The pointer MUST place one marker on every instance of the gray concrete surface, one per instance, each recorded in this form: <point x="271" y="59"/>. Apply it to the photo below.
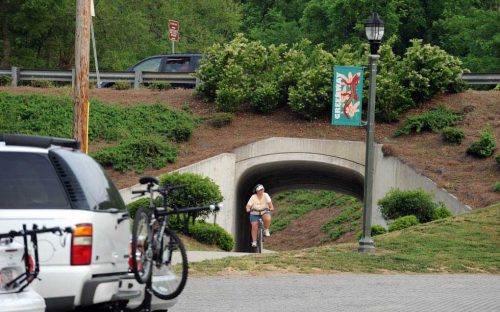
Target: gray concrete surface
<point x="343" y="292"/>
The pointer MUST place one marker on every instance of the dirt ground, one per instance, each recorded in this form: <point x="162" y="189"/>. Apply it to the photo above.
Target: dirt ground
<point x="469" y="179"/>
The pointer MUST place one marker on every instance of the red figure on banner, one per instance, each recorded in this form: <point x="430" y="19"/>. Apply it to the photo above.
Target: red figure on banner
<point x="352" y="83"/>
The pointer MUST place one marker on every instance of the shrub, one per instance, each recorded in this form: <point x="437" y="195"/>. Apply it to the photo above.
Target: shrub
<point x="212" y="234"/>
<point x="220" y="120"/>
<point x="453" y="135"/>
<point x="159" y="86"/>
<point x="485" y="146"/>
<point x="198" y="191"/>
<point x="41" y="83"/>
<point x="428" y="70"/>
<point x="135" y="205"/>
<point x="397" y="203"/>
<point x="403" y="223"/>
<point x="498" y="159"/>
<point x="122" y="85"/>
<point x="433" y="120"/>
<point x="376" y="230"/>
<point x="441" y="212"/>
<point x="137" y="154"/>
<point x="496" y="187"/>
<point x="5" y="80"/>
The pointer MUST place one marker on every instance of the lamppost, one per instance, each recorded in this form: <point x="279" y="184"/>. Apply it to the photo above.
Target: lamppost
<point x="374" y="29"/>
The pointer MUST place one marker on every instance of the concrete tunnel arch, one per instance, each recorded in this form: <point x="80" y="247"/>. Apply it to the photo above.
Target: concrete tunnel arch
<point x="288" y="175"/>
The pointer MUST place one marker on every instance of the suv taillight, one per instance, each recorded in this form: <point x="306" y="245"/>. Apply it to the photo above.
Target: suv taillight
<point x="81" y="245"/>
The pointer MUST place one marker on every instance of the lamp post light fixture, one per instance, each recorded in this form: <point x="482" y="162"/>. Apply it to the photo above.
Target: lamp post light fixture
<point x="374" y="29"/>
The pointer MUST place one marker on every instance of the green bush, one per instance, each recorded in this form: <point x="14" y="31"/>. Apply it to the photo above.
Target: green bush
<point x="441" y="212"/>
<point x="41" y="83"/>
<point x="433" y="120"/>
<point x="198" y="191"/>
<point x="122" y="85"/>
<point x="485" y="146"/>
<point x="403" y="223"/>
<point x="220" y="120"/>
<point x="5" y="80"/>
<point x="135" y="205"/>
<point x="159" y="86"/>
<point x="496" y="187"/>
<point x="453" y="135"/>
<point x="378" y="230"/>
<point x="397" y="203"/>
<point x="137" y="154"/>
<point x="428" y="70"/>
<point x="212" y="234"/>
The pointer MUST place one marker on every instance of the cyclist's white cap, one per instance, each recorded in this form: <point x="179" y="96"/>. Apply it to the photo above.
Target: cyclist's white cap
<point x="259" y="187"/>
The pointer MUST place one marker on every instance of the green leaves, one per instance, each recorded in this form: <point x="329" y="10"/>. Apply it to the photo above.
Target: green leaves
<point x="433" y="120"/>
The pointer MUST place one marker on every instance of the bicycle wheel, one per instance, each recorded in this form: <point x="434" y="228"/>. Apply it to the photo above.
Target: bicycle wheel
<point x="170" y="270"/>
<point x="259" y="239"/>
<point x="142" y="247"/>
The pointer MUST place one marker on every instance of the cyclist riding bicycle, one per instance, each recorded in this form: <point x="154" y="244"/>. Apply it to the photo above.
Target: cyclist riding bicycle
<point x="259" y="205"/>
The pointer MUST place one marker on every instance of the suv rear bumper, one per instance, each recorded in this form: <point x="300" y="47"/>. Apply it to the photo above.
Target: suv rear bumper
<point x="75" y="286"/>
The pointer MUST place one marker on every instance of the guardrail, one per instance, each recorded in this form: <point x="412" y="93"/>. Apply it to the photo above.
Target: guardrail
<point x="481" y="78"/>
<point x="139" y="77"/>
<point x="135" y="78"/>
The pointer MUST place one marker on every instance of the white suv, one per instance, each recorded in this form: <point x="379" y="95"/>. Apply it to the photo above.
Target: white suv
<point x="49" y="182"/>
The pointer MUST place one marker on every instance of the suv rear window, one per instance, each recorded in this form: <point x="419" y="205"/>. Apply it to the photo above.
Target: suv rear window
<point x="29" y="181"/>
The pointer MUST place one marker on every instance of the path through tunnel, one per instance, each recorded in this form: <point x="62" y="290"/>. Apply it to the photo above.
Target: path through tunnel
<point x="289" y="175"/>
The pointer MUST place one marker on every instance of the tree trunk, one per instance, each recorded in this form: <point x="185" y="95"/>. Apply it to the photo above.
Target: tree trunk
<point x="7" y="51"/>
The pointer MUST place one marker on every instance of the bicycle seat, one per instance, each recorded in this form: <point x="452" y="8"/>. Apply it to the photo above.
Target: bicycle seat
<point x="148" y="179"/>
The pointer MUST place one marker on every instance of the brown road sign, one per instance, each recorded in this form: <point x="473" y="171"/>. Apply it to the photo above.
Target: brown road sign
<point x="173" y="35"/>
<point x="173" y="25"/>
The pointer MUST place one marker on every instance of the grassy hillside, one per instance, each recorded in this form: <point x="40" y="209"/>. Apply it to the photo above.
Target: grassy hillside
<point x="464" y="244"/>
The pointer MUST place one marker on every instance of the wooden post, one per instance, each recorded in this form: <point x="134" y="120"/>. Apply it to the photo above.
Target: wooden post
<point x="81" y="87"/>
<point x="137" y="79"/>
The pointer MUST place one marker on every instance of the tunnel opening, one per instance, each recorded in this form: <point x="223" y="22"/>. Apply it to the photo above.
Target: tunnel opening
<point x="289" y="175"/>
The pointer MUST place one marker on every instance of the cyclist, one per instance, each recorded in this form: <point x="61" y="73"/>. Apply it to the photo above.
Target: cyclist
<point x="259" y="202"/>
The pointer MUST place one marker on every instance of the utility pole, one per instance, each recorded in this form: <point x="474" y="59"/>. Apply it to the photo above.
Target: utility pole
<point x="81" y="83"/>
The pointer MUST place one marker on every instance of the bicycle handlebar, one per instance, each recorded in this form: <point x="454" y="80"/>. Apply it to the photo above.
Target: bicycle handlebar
<point x="162" y="190"/>
<point x="214" y="207"/>
<point x="35" y="230"/>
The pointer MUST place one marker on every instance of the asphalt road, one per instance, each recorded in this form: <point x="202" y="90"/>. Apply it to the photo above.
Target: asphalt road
<point x="342" y="292"/>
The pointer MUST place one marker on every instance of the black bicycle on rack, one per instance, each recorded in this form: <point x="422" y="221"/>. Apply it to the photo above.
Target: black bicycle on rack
<point x="159" y="258"/>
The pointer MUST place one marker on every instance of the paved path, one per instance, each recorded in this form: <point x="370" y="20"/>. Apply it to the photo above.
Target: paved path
<point x="342" y="292"/>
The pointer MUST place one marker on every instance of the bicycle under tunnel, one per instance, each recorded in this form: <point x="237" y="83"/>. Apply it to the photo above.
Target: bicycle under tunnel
<point x="285" y="176"/>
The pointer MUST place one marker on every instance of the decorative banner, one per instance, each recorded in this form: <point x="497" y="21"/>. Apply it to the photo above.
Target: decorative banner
<point x="347" y="94"/>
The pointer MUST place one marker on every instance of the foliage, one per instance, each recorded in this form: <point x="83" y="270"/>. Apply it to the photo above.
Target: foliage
<point x="336" y="227"/>
<point x="429" y="70"/>
<point x="138" y="154"/>
<point x="212" y="234"/>
<point x="377" y="229"/>
<point x="5" y="80"/>
<point x="159" y="86"/>
<point x="403" y="223"/>
<point x="453" y="135"/>
<point x="441" y="212"/>
<point x="392" y="97"/>
<point x="433" y="120"/>
<point x="295" y="204"/>
<point x="52" y="116"/>
<point x="486" y="145"/>
<point x="41" y="83"/>
<point x="221" y="119"/>
<point x="198" y="191"/>
<point x="496" y="187"/>
<point x="397" y="203"/>
<point x="139" y="203"/>
<point x="498" y="159"/>
<point x="122" y="85"/>
<point x="36" y="32"/>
